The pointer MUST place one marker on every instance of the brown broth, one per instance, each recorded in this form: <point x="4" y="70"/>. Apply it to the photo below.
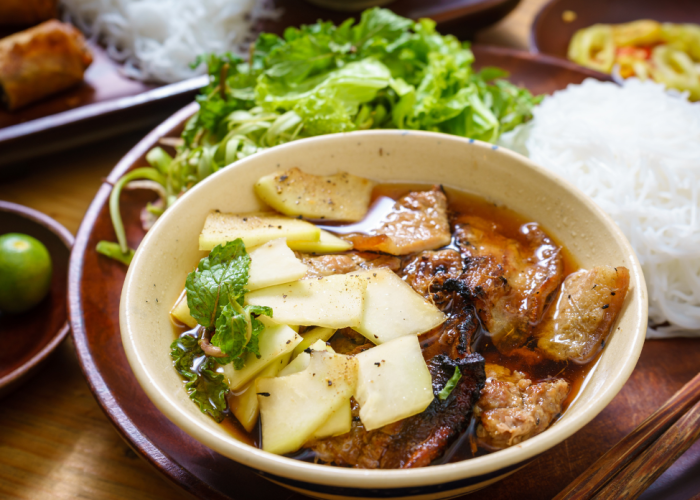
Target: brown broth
<point x="509" y="224"/>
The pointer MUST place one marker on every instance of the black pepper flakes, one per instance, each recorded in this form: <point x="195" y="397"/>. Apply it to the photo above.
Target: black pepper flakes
<point x="378" y="363"/>
<point x="606" y="306"/>
<point x="612" y="293"/>
<point x="330" y="383"/>
<point x="264" y="394"/>
<point x="307" y="350"/>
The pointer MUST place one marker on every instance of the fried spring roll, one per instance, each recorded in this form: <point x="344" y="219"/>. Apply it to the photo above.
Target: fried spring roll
<point x="26" y="12"/>
<point x="41" y="61"/>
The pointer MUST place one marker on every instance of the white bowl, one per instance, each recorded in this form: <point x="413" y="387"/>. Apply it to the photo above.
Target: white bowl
<point x="170" y="250"/>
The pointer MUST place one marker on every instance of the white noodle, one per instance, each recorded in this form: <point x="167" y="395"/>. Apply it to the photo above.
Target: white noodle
<point x="635" y="149"/>
<point x="159" y="39"/>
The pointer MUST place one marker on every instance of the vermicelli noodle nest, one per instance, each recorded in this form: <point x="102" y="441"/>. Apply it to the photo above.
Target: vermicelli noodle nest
<point x="159" y="39"/>
<point x="635" y="149"/>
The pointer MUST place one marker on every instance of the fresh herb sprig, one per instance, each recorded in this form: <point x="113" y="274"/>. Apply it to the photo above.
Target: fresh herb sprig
<point x="450" y="385"/>
<point x="215" y="294"/>
<point x="204" y="385"/>
<point x="384" y="72"/>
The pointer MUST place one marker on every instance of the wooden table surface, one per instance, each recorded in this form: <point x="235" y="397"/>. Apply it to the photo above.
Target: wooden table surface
<point x="55" y="442"/>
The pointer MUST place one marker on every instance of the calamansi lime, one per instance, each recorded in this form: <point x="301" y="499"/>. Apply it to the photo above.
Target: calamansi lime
<point x="25" y="272"/>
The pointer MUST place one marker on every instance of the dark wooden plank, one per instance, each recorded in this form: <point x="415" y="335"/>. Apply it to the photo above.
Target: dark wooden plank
<point x="658" y="457"/>
<point x="633" y="445"/>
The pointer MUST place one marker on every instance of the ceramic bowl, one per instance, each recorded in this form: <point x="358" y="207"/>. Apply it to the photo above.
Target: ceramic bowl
<point x="29" y="338"/>
<point x="170" y="250"/>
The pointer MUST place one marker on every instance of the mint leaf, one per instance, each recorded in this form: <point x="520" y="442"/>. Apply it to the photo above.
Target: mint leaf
<point x="215" y="292"/>
<point x="219" y="278"/>
<point x="204" y="385"/>
<point x="450" y="385"/>
<point x="238" y="332"/>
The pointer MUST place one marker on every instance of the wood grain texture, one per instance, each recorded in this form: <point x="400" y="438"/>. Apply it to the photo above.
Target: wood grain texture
<point x="647" y="467"/>
<point x="55" y="442"/>
<point x="632" y="445"/>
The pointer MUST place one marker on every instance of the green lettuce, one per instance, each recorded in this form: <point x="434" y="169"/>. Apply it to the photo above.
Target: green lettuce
<point x="383" y="72"/>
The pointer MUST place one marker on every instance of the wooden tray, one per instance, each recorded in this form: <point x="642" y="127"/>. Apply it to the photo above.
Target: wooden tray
<point x="108" y="103"/>
<point x="550" y="34"/>
<point x="94" y="290"/>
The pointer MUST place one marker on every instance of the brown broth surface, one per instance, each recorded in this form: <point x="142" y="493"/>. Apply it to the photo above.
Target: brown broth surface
<point x="509" y="223"/>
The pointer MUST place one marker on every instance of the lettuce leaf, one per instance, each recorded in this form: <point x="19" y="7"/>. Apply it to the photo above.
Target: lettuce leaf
<point x="383" y="72"/>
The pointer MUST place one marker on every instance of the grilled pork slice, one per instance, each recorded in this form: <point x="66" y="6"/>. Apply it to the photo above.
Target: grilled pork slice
<point x="417" y="222"/>
<point x="418" y="440"/>
<point x="511" y="409"/>
<point x="511" y="282"/>
<point x="327" y="265"/>
<point x="584" y="314"/>
<point x="429" y="273"/>
<point x="423" y="269"/>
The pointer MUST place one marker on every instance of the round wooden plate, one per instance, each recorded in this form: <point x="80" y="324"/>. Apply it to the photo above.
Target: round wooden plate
<point x="94" y="290"/>
<point x="550" y="34"/>
<point x="29" y="338"/>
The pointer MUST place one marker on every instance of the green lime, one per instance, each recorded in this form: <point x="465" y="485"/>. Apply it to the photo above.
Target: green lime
<point x="25" y="272"/>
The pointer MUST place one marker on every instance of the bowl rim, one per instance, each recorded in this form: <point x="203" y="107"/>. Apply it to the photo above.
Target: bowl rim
<point x="66" y="237"/>
<point x="382" y="479"/>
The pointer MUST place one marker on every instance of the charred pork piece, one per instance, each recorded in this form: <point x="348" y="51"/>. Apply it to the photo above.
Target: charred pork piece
<point x="327" y="265"/>
<point x="427" y="273"/>
<point x="584" y="314"/>
<point x="421" y="270"/>
<point x="417" y="440"/>
<point x="511" y="282"/>
<point x="511" y="409"/>
<point x="417" y="222"/>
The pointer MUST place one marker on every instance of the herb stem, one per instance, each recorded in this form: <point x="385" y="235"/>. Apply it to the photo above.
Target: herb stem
<point x="138" y="173"/>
